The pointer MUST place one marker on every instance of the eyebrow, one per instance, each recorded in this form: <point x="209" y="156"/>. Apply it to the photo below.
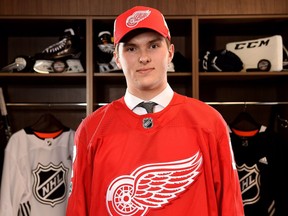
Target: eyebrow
<point x="125" y="44"/>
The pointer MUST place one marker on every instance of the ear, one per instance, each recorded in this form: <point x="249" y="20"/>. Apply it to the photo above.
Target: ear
<point x="116" y="57"/>
<point x="171" y="50"/>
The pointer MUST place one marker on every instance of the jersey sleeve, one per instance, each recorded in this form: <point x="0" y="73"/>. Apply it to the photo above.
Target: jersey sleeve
<point x="81" y="176"/>
<point x="228" y="188"/>
<point x="13" y="182"/>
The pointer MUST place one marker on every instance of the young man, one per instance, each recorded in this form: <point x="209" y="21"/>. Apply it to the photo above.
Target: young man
<point x="174" y="161"/>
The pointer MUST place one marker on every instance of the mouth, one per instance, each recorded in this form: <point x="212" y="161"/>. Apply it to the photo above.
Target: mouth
<point x="145" y="70"/>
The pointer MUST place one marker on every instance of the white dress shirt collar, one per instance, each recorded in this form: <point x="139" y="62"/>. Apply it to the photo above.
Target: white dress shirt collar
<point x="162" y="99"/>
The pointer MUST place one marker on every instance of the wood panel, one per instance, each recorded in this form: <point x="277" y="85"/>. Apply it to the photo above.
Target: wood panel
<point x="168" y="7"/>
<point x="241" y="7"/>
<point x="44" y="7"/>
<point x="172" y="7"/>
<point x="90" y="7"/>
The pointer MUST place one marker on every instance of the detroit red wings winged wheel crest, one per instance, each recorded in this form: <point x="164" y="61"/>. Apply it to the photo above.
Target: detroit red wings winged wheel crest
<point x="151" y="186"/>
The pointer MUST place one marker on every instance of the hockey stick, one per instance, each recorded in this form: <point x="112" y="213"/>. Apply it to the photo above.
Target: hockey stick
<point x="4" y="114"/>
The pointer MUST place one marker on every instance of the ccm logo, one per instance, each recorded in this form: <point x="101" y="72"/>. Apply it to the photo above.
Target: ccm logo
<point x="251" y="44"/>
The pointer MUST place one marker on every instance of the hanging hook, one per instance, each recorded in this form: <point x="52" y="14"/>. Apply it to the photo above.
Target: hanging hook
<point x="245" y="106"/>
<point x="283" y="122"/>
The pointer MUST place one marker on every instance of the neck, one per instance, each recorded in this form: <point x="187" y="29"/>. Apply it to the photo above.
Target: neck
<point x="146" y="94"/>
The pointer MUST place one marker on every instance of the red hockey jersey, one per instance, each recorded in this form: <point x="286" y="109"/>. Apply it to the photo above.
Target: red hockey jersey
<point x="175" y="162"/>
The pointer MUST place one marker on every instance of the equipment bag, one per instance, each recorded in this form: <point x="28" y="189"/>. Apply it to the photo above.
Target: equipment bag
<point x="263" y="54"/>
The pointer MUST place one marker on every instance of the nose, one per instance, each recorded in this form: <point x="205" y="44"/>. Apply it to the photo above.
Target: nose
<point x="144" y="59"/>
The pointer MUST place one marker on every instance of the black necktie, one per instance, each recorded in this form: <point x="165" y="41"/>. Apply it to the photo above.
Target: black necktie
<point x="148" y="106"/>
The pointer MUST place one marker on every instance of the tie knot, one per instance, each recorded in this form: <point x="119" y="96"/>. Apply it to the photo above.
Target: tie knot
<point x="148" y="106"/>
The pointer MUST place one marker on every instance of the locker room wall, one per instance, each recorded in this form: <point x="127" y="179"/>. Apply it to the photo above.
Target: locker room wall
<point x="109" y="7"/>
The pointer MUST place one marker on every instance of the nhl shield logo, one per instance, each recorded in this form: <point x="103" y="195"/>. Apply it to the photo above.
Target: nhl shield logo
<point x="147" y="123"/>
<point x="250" y="183"/>
<point x="50" y="185"/>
